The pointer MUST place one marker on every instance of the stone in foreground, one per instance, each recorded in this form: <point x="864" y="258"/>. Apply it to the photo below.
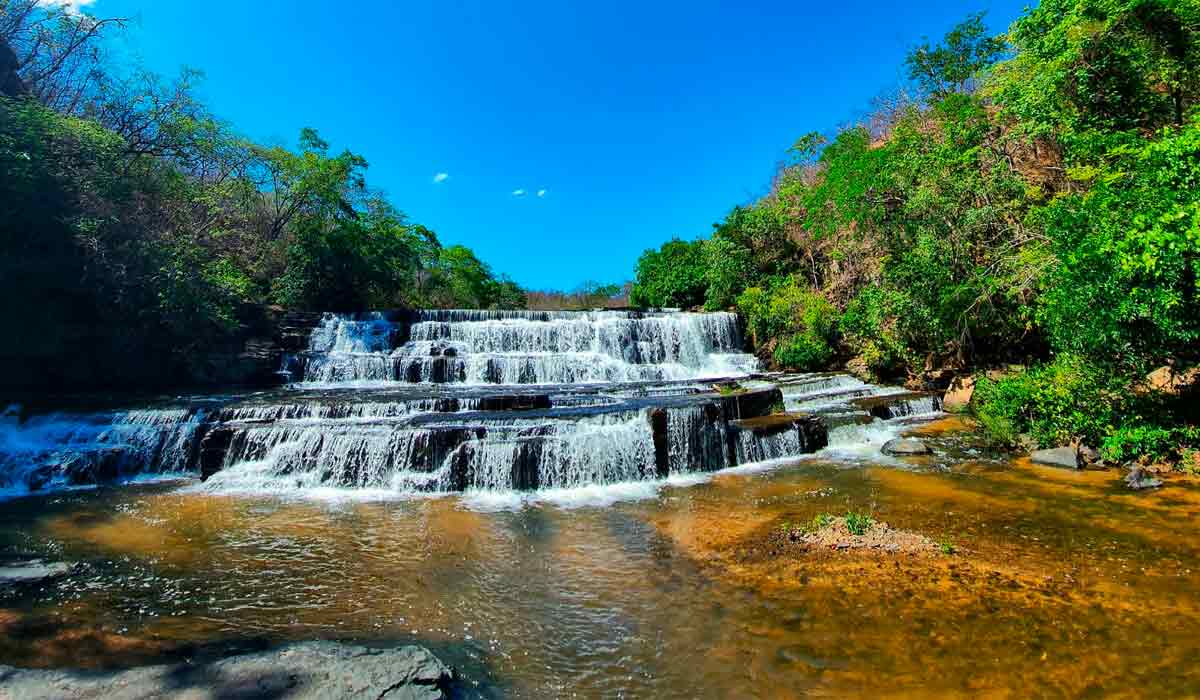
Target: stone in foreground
<point x="16" y="576"/>
<point x="307" y="671"/>
<point x="901" y="447"/>
<point x="1064" y="457"/>
<point x="1139" y="479"/>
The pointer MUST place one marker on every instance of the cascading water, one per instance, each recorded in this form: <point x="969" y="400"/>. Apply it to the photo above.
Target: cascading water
<point x="75" y="449"/>
<point x="483" y="402"/>
<point x="524" y="347"/>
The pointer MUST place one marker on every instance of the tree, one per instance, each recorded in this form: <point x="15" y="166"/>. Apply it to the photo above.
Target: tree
<point x="672" y="276"/>
<point x="59" y="52"/>
<point x="952" y="65"/>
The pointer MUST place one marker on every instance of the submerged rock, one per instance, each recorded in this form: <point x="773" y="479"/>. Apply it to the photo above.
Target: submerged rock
<point x="306" y="671"/>
<point x="16" y="576"/>
<point x="1139" y="479"/>
<point x="898" y="447"/>
<point x="1065" y="457"/>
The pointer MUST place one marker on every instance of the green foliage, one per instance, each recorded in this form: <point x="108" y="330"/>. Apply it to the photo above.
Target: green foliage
<point x="859" y="523"/>
<point x="1126" y="289"/>
<point x="951" y="65"/>
<point x="1086" y="71"/>
<point x="874" y="323"/>
<point x="1155" y="443"/>
<point x="803" y="351"/>
<point x="1055" y="403"/>
<point x="1050" y="217"/>
<point x="672" y="276"/>
<point x="805" y="322"/>
<point x="727" y="266"/>
<point x="820" y="521"/>
<point x="163" y="231"/>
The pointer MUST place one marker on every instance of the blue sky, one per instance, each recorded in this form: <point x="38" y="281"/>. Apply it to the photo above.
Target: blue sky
<point x="640" y="121"/>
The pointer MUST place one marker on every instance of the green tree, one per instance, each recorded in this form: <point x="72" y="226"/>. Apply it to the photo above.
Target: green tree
<point x="952" y="65"/>
<point x="672" y="276"/>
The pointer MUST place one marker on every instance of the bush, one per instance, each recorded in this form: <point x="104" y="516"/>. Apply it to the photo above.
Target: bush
<point x="804" y="322"/>
<point x="803" y="351"/>
<point x="1152" y="442"/>
<point x="1054" y="404"/>
<point x="871" y="326"/>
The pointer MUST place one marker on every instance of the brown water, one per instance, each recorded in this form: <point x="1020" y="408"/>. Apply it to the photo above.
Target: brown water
<point x="1062" y="585"/>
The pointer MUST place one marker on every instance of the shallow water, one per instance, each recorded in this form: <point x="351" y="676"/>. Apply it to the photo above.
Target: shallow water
<point x="1062" y="585"/>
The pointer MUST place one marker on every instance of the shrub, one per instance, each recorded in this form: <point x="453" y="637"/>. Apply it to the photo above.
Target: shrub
<point x="1153" y="442"/>
<point x="1054" y="403"/>
<point x="858" y="523"/>
<point x="671" y="276"/>
<point x="803" y="351"/>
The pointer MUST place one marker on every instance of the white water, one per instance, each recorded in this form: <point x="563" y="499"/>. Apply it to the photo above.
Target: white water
<point x="398" y="442"/>
<point x="50" y="449"/>
<point x="526" y="348"/>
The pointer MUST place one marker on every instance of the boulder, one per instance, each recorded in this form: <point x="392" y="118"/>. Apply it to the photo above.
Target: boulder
<point x="1138" y="479"/>
<point x="1172" y="381"/>
<point x="958" y="396"/>
<point x="1057" y="457"/>
<point x="858" y="368"/>
<point x="899" y="447"/>
<point x="306" y="671"/>
<point x="1088" y="456"/>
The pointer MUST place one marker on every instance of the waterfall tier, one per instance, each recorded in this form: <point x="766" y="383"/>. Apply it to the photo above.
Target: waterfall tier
<point x="522" y="347"/>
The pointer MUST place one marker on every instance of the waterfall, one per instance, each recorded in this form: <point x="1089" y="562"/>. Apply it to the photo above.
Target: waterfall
<point x="524" y="347"/>
<point x="479" y="402"/>
<point x="499" y="454"/>
<point x="76" y="449"/>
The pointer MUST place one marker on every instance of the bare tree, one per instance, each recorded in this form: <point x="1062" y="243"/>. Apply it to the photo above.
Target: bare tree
<point x="58" y="50"/>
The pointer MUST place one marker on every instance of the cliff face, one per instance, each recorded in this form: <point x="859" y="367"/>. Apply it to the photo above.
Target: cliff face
<point x="95" y="355"/>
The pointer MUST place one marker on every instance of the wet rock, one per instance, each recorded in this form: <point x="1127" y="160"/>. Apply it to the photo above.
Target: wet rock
<point x="307" y="671"/>
<point x="899" y="447"/>
<point x="16" y="576"/>
<point x="889" y="406"/>
<point x="212" y="451"/>
<point x="98" y="466"/>
<point x="958" y="396"/>
<point x="1138" y="479"/>
<point x="1088" y="456"/>
<point x="754" y="403"/>
<point x="858" y="368"/>
<point x="1057" y="457"/>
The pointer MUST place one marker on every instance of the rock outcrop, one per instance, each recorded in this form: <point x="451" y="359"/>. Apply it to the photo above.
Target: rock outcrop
<point x="306" y="671"/>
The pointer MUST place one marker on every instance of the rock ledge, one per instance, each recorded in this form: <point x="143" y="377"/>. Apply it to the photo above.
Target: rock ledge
<point x="305" y="671"/>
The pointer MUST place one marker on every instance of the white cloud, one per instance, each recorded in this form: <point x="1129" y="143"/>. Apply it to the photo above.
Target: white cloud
<point x="541" y="193"/>
<point x="518" y="193"/>
<point x="71" y="6"/>
<point x="441" y="177"/>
